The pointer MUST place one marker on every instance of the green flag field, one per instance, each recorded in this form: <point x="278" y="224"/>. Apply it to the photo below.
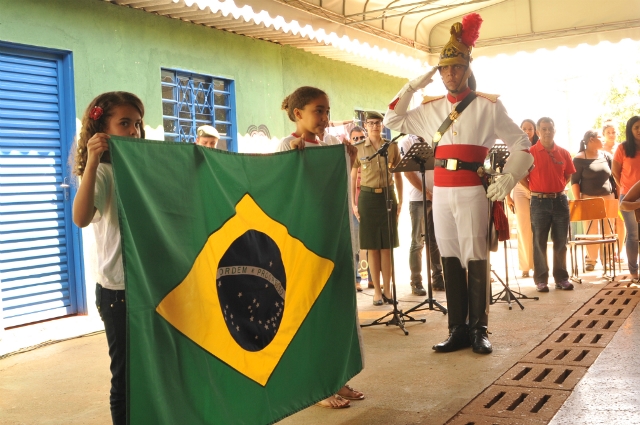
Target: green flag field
<point x="239" y="279"/>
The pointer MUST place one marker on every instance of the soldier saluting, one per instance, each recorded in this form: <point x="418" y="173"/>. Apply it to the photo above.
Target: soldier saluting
<point x="462" y="126"/>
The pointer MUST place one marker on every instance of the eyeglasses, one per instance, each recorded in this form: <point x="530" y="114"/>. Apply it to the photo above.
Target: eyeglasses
<point x="374" y="123"/>
<point x="358" y="138"/>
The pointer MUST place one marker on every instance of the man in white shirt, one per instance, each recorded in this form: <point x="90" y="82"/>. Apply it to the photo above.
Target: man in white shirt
<point x="416" y="211"/>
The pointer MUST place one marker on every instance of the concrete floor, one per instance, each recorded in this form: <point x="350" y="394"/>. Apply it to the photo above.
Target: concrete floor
<point x="405" y="382"/>
<point x="609" y="393"/>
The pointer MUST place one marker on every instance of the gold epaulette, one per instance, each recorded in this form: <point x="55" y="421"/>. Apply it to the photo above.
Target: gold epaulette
<point x="428" y="99"/>
<point x="491" y="97"/>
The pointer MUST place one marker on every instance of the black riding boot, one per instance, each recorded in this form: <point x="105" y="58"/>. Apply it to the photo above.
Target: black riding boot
<point x="478" y="317"/>
<point x="457" y="306"/>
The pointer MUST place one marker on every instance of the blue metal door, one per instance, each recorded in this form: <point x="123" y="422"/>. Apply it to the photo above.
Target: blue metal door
<point x="37" y="270"/>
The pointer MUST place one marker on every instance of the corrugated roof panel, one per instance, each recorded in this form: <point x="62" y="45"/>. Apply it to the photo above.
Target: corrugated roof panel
<point x="398" y="38"/>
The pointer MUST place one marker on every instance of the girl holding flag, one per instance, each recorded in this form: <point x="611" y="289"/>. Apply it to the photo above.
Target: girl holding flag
<point x="118" y="114"/>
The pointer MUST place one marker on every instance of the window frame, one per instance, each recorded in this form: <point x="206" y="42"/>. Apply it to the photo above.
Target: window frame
<point x="178" y="99"/>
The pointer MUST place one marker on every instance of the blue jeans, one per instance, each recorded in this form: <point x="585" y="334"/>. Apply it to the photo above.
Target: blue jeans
<point x="113" y="312"/>
<point x="550" y="214"/>
<point x="631" y="244"/>
<point x="417" y="242"/>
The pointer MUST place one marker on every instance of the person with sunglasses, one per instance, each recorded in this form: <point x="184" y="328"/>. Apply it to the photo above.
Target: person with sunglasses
<point x="462" y="126"/>
<point x="416" y="212"/>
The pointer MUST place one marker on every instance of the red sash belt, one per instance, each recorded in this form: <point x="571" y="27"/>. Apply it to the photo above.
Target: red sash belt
<point x="468" y="153"/>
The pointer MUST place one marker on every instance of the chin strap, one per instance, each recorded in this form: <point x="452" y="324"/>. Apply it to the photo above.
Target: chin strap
<point x="465" y="77"/>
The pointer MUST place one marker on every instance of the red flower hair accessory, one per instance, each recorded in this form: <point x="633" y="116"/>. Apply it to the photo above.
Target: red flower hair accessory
<point x="96" y="113"/>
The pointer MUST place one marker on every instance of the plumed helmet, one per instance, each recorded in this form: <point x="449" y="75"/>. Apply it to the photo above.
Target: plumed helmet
<point x="463" y="37"/>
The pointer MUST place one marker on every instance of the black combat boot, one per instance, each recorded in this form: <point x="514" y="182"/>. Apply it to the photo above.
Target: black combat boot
<point x="478" y="299"/>
<point x="457" y="306"/>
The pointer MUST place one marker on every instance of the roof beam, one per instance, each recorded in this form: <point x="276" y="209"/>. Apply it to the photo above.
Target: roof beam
<point x="355" y="23"/>
<point x="365" y="12"/>
<point x="417" y="10"/>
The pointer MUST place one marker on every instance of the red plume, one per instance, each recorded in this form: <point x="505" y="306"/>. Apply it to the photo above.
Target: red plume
<point x="470" y="29"/>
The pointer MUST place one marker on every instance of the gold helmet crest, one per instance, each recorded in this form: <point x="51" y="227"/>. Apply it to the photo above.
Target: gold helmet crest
<point x="463" y="37"/>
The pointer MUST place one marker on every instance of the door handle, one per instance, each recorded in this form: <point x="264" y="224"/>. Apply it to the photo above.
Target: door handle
<point x="65" y="187"/>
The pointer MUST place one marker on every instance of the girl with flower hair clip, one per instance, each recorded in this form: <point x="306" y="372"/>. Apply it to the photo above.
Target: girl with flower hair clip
<point x="119" y="114"/>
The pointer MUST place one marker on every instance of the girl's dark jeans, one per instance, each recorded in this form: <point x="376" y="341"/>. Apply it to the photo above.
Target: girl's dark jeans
<point x="113" y="312"/>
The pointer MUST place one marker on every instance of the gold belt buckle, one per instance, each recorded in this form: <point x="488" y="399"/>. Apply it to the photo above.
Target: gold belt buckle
<point x="452" y="165"/>
<point x="377" y="190"/>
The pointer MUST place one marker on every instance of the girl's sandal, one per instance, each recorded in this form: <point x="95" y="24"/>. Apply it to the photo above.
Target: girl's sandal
<point x="334" y="402"/>
<point x="350" y="394"/>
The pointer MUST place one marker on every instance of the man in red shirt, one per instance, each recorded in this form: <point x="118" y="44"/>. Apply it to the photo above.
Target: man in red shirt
<point x="549" y="206"/>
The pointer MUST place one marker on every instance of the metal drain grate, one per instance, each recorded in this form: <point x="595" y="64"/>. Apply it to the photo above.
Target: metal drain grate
<point x="619" y="292"/>
<point x="622" y="282"/>
<point x="472" y="419"/>
<point x="579" y="338"/>
<point x="604" y="311"/>
<point x="532" y="375"/>
<point x="615" y="284"/>
<point x="612" y="301"/>
<point x="570" y="356"/>
<point x="533" y="390"/>
<point x="517" y="402"/>
<point x="593" y="323"/>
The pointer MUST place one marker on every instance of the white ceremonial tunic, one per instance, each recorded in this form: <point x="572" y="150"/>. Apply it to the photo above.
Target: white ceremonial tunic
<point x="461" y="213"/>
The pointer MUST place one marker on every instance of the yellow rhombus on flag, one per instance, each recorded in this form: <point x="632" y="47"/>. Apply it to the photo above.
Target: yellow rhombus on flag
<point x="194" y="306"/>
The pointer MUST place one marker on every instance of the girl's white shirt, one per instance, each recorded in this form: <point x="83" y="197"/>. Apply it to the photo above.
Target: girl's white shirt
<point x="107" y="230"/>
<point x="285" y="146"/>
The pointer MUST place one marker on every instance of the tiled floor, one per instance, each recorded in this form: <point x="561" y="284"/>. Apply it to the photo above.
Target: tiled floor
<point x="609" y="393"/>
<point x="405" y="382"/>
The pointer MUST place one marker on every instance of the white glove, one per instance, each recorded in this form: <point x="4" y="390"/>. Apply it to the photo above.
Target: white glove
<point x="423" y="81"/>
<point x="516" y="168"/>
<point x="406" y="93"/>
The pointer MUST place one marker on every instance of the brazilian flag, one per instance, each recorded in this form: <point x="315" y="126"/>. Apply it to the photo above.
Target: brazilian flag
<point x="239" y="277"/>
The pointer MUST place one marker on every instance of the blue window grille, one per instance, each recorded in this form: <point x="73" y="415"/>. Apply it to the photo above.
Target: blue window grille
<point x="190" y="100"/>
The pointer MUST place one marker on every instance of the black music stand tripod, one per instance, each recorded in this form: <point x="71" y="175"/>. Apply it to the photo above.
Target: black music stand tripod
<point x="397" y="316"/>
<point x="498" y="156"/>
<point x="420" y="158"/>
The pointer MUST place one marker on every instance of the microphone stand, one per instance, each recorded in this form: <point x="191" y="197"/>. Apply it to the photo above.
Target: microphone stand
<point x="397" y="316"/>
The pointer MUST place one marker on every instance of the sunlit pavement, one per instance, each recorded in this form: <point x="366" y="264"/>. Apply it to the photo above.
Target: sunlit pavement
<point x="404" y="380"/>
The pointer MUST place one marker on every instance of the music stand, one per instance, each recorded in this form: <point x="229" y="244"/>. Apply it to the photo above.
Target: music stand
<point x="398" y="316"/>
<point x="497" y="158"/>
<point x="420" y="158"/>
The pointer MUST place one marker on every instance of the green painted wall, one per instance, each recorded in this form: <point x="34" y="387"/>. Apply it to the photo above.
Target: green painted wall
<point x="118" y="48"/>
